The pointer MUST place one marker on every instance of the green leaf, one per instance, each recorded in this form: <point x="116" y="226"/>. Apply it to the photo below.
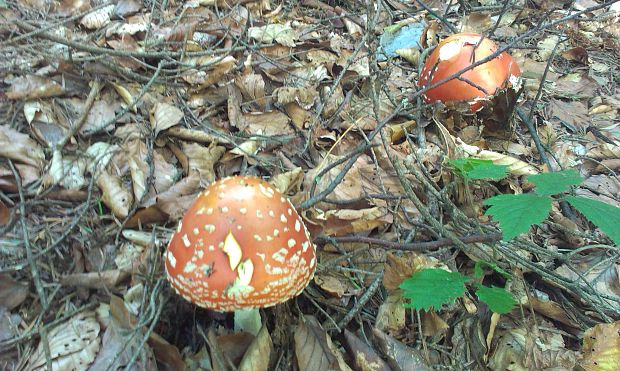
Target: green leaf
<point x="432" y="288"/>
<point x="517" y="213"/>
<point x="548" y="184"/>
<point x="604" y="216"/>
<point x="474" y="168"/>
<point x="498" y="299"/>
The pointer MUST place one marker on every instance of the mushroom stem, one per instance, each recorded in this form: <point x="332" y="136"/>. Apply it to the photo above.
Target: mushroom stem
<point x="248" y="320"/>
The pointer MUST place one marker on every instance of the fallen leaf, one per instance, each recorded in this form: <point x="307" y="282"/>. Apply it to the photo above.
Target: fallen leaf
<point x="258" y="355"/>
<point x="399" y="356"/>
<point x="364" y="356"/>
<point x="164" y="116"/>
<point x="33" y="87"/>
<point x="12" y="293"/>
<point x="98" y="18"/>
<point x="72" y="345"/>
<point x="391" y="316"/>
<point x="107" y="280"/>
<point x="314" y="348"/>
<point x="202" y="159"/>
<point x="114" y="194"/>
<point x="283" y="34"/>
<point x="20" y="147"/>
<point x="5" y="214"/>
<point x="601" y="347"/>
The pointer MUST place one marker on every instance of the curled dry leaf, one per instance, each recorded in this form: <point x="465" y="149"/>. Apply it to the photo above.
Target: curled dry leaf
<point x="33" y="87"/>
<point x="290" y="182"/>
<point x="391" y="316"/>
<point x="5" y="214"/>
<point x="203" y="159"/>
<point x="12" y="293"/>
<point x="252" y="86"/>
<point x="345" y="221"/>
<point x="164" y="116"/>
<point x="399" y="356"/>
<point x="73" y="345"/>
<point x="99" y="155"/>
<point x="207" y="76"/>
<point x="283" y="34"/>
<point x="258" y="354"/>
<point x="364" y="357"/>
<point x="107" y="280"/>
<point x="98" y="18"/>
<point x="515" y="166"/>
<point x="601" y="347"/>
<point x="29" y="174"/>
<point x="114" y="194"/>
<point x="314" y="348"/>
<point x="20" y="147"/>
<point x="271" y="123"/>
<point x="100" y="114"/>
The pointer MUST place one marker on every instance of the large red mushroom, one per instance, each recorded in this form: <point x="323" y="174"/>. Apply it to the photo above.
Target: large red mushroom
<point x="458" y="52"/>
<point x="240" y="246"/>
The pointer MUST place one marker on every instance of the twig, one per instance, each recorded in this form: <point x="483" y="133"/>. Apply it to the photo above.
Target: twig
<point x="32" y="263"/>
<point x="372" y="289"/>
<point x="75" y="128"/>
<point x="413" y="246"/>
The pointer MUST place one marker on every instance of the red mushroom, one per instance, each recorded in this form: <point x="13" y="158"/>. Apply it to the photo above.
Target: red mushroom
<point x="458" y="52"/>
<point x="240" y="245"/>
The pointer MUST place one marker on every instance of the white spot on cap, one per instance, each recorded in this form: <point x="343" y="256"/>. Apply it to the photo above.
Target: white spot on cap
<point x="200" y="254"/>
<point x="297" y="225"/>
<point x="276" y="232"/>
<point x="261" y="256"/>
<point x="189" y="267"/>
<point x="449" y="50"/>
<point x="257" y="238"/>
<point x="291" y="243"/>
<point x="209" y="228"/>
<point x="243" y="211"/>
<point x="172" y="260"/>
<point x="304" y="246"/>
<point x="210" y="211"/>
<point x="280" y="255"/>
<point x="186" y="241"/>
<point x="196" y="231"/>
<point x="259" y="214"/>
<point x="179" y="226"/>
<point x="283" y="218"/>
<point x="201" y="211"/>
<point x="290" y="212"/>
<point x="233" y="250"/>
<point x="224" y="209"/>
<point x="245" y="272"/>
<point x="272" y="214"/>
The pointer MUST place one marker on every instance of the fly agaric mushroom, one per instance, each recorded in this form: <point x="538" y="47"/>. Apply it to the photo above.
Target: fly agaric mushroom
<point x="240" y="246"/>
<point x="458" y="52"/>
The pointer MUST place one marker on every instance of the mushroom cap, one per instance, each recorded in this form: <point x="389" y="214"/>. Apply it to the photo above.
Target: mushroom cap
<point x="240" y="245"/>
<point x="455" y="53"/>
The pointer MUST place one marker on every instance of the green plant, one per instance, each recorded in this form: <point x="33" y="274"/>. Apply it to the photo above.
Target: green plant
<point x="434" y="287"/>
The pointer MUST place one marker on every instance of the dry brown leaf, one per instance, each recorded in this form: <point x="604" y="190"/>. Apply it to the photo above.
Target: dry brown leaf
<point x="601" y="347"/>
<point x="314" y="348"/>
<point x="202" y="159"/>
<point x="283" y="34"/>
<point x="399" y="356"/>
<point x="175" y="201"/>
<point x="334" y="285"/>
<point x="345" y="221"/>
<point x="20" y="147"/>
<point x="164" y="116"/>
<point x="391" y="316"/>
<point x="575" y="86"/>
<point x="167" y="355"/>
<point x="515" y="166"/>
<point x="12" y="293"/>
<point x="572" y="113"/>
<point x="100" y="114"/>
<point x="290" y="182"/>
<point x="126" y="8"/>
<point x="252" y="86"/>
<point x="5" y="214"/>
<point x="596" y="270"/>
<point x="28" y="174"/>
<point x="98" y="18"/>
<point x="114" y="194"/>
<point x="207" y="76"/>
<point x="118" y="347"/>
<point x="73" y="345"/>
<point x="523" y="349"/>
<point x="141" y="238"/>
<point x="33" y="87"/>
<point x="604" y="151"/>
<point x="95" y="280"/>
<point x="363" y="355"/>
<point x="360" y="114"/>
<point x="398" y="268"/>
<point x="258" y="354"/>
<point x="265" y="123"/>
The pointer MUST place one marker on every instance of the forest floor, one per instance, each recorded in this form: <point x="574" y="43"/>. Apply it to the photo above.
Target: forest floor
<point x="114" y="116"/>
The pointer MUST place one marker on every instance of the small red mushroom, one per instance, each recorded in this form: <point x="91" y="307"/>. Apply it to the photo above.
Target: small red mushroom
<point x="458" y="52"/>
<point x="240" y="245"/>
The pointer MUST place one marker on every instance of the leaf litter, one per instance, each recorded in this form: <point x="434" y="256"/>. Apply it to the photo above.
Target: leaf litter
<point x="196" y="91"/>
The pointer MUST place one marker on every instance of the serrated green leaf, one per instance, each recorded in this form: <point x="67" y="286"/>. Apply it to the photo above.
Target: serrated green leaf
<point x="498" y="299"/>
<point x="517" y="213"/>
<point x="432" y="288"/>
<point x="604" y="216"/>
<point x="474" y="168"/>
<point x="548" y="184"/>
